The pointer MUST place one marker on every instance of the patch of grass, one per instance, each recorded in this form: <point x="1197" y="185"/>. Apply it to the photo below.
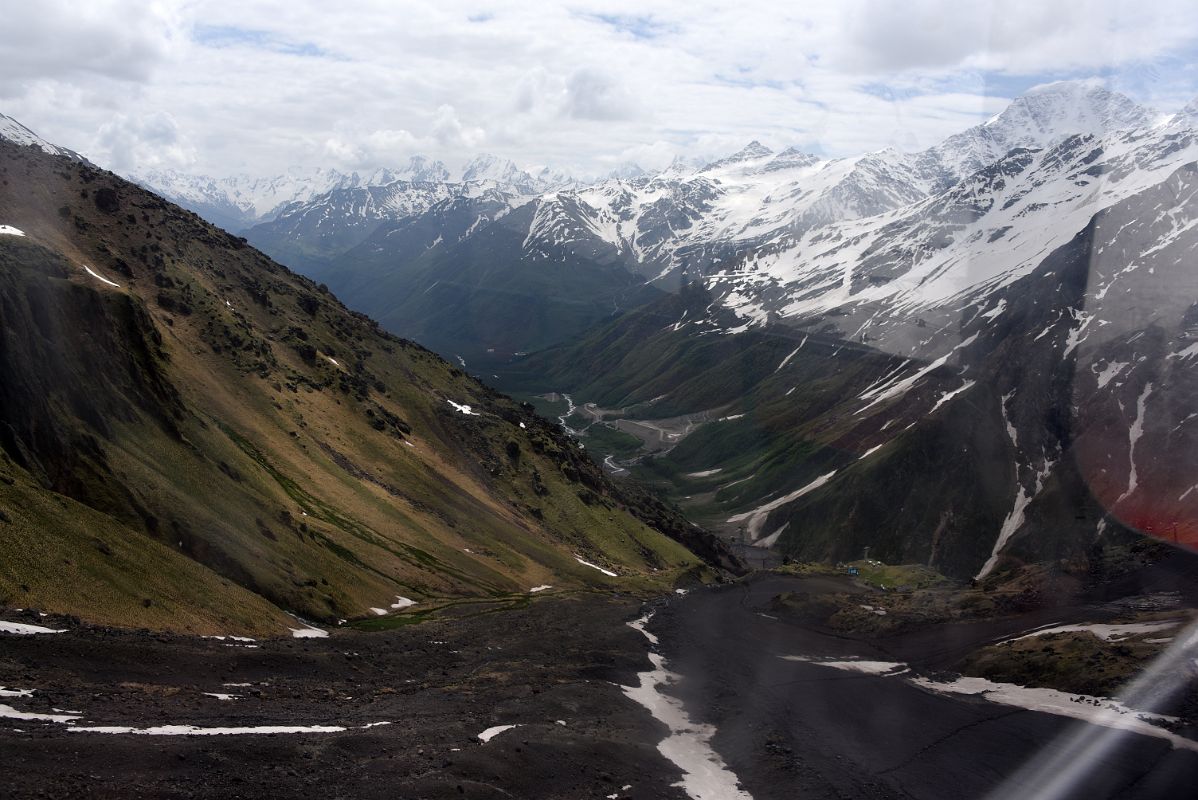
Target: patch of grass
<point x="898" y="576"/>
<point x="602" y="440"/>
<point x="1075" y="661"/>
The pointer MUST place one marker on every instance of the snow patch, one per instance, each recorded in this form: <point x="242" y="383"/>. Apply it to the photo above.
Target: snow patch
<point x="8" y="712"/>
<point x="308" y="632"/>
<point x="540" y="588"/>
<point x="26" y="629"/>
<point x="491" y="733"/>
<point x="193" y="730"/>
<point x="705" y="776"/>
<point x="793" y="353"/>
<point x="464" y="409"/>
<point x="606" y="572"/>
<point x="100" y="277"/>
<point x="854" y="665"/>
<point x="771" y="540"/>
<point x="1133" y="437"/>
<point x="757" y="516"/>
<point x="9" y="230"/>
<point x="1108" y="633"/>
<point x="950" y="395"/>
<point x="1094" y="710"/>
<point x="1110" y="372"/>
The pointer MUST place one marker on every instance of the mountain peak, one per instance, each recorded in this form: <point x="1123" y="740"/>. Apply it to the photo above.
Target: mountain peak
<point x="1188" y="115"/>
<point x="752" y="150"/>
<point x="14" y="131"/>
<point x="420" y="168"/>
<point x="1062" y="108"/>
<point x="790" y="158"/>
<point x="485" y="167"/>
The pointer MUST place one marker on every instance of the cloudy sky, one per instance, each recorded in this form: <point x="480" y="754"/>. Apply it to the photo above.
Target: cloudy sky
<point x="222" y="87"/>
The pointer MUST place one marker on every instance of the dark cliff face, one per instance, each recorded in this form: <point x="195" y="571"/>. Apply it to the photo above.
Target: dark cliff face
<point x="193" y="436"/>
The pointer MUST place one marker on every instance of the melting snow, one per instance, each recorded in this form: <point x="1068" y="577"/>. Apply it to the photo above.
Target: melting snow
<point x="1108" y="633"/>
<point x="308" y="633"/>
<point x="25" y="628"/>
<point x="11" y="713"/>
<point x="704" y="774"/>
<point x="950" y="395"/>
<point x="11" y="231"/>
<point x="854" y="665"/>
<point x="1133" y="436"/>
<point x="770" y="540"/>
<point x="994" y="312"/>
<point x="1112" y="369"/>
<point x="871" y="451"/>
<point x="465" y="409"/>
<point x="899" y="388"/>
<point x="402" y="602"/>
<point x="221" y="695"/>
<point x="1094" y="710"/>
<point x="491" y="733"/>
<point x="705" y="473"/>
<point x="757" y="516"/>
<point x="606" y="572"/>
<point x="5" y="692"/>
<point x="193" y="730"/>
<point x="793" y="353"/>
<point x="379" y="611"/>
<point x="99" y="277"/>
<point x="540" y="588"/>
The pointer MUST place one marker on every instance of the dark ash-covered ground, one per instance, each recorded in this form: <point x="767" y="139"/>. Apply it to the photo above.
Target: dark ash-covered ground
<point x="438" y="684"/>
<point x="793" y="729"/>
<point x="785" y="728"/>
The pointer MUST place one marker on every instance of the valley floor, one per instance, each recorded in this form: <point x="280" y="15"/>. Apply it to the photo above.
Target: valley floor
<point x="531" y="703"/>
<point x="409" y="706"/>
<point x="803" y="712"/>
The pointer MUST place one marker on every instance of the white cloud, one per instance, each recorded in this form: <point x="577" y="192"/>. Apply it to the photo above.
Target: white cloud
<point x="260" y="87"/>
<point x="592" y="94"/>
<point x="150" y="141"/>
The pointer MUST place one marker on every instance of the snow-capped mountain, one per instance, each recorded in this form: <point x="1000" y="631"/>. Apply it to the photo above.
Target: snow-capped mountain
<point x="961" y="286"/>
<point x="239" y="201"/>
<point x="768" y="232"/>
<point x="13" y="131"/>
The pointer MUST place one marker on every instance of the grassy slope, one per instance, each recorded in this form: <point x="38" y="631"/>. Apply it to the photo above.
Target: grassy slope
<point x="323" y="487"/>
<point x="784" y="426"/>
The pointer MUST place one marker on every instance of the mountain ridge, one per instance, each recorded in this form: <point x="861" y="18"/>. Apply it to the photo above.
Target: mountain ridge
<point x="155" y="364"/>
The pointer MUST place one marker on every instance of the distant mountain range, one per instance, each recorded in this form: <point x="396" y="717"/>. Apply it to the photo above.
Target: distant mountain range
<point x="239" y="202"/>
<point x="968" y="356"/>
<point x="414" y="252"/>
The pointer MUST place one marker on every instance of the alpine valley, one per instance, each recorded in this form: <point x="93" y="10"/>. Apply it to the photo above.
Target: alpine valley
<point x="977" y="352"/>
<point x="870" y="477"/>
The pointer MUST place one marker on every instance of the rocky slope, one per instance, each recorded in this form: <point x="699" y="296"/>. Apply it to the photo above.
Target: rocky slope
<point x="194" y="437"/>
